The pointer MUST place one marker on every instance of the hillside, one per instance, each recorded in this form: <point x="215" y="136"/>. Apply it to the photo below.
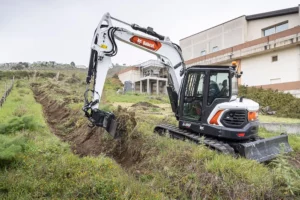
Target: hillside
<point x="57" y="155"/>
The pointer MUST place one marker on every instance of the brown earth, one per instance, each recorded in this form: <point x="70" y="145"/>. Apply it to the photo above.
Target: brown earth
<point x="84" y="140"/>
<point x="144" y="104"/>
<point x="295" y="160"/>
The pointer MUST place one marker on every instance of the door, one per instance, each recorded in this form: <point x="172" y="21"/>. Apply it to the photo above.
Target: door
<point x="193" y="96"/>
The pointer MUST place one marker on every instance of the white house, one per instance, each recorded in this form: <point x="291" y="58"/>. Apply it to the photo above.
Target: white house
<point x="150" y="77"/>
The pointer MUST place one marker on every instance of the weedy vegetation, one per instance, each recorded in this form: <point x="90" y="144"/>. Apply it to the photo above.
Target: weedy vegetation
<point x="285" y="104"/>
<point x="87" y="163"/>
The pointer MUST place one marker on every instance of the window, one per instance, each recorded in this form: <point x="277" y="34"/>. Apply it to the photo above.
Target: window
<point x="218" y="86"/>
<point x="269" y="31"/>
<point x="275" y="29"/>
<point x="193" y="96"/>
<point x="195" y="85"/>
<point x="215" y="48"/>
<point x="281" y="27"/>
<point x="203" y="53"/>
<point x="274" y="58"/>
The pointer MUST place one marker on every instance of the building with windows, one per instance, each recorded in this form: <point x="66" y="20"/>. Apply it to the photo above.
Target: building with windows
<point x="148" y="77"/>
<point x="266" y="47"/>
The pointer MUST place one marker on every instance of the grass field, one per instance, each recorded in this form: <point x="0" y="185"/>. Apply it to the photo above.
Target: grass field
<point x="45" y="167"/>
<point x="268" y="118"/>
<point x="4" y="84"/>
<point x="37" y="163"/>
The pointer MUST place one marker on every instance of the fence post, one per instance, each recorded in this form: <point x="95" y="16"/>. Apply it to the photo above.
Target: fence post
<point x="5" y="91"/>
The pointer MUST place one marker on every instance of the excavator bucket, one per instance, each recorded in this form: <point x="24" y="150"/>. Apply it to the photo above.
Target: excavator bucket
<point x="265" y="149"/>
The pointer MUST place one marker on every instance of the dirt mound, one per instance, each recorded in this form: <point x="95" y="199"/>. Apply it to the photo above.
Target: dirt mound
<point x="144" y="104"/>
<point x="70" y="126"/>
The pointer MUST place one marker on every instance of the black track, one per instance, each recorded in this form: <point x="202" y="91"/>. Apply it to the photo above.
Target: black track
<point x="182" y="134"/>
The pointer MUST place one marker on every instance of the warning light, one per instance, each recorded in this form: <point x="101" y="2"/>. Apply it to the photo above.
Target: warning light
<point x="234" y="63"/>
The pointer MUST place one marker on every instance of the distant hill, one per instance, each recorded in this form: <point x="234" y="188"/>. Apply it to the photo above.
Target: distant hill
<point x="35" y="65"/>
<point x="50" y="65"/>
<point x="115" y="69"/>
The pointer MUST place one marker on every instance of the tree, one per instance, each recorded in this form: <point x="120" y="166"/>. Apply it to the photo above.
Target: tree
<point x="72" y="64"/>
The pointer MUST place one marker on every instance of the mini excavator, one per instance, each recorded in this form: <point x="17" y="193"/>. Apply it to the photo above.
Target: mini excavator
<point x="203" y="98"/>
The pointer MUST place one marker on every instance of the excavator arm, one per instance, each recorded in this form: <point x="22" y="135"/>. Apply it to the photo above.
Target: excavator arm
<point x="104" y="47"/>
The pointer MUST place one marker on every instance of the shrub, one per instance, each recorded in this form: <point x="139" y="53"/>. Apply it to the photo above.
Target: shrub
<point x="73" y="79"/>
<point x="20" y="111"/>
<point x="23" y="91"/>
<point x="10" y="148"/>
<point x="285" y="104"/>
<point x="286" y="177"/>
<point x="19" y="84"/>
<point x="18" y="124"/>
<point x="113" y="84"/>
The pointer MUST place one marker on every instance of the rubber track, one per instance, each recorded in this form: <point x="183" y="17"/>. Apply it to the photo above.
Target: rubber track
<point x="208" y="141"/>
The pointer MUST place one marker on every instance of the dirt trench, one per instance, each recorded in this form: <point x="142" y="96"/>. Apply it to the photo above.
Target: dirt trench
<point x="84" y="140"/>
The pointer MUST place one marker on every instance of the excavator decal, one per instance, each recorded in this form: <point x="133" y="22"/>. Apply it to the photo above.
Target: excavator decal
<point x="144" y="42"/>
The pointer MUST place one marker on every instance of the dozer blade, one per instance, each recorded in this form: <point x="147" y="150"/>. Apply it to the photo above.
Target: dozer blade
<point x="265" y="149"/>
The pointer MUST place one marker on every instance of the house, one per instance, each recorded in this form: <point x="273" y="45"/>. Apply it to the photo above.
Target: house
<point x="150" y="76"/>
<point x="266" y="47"/>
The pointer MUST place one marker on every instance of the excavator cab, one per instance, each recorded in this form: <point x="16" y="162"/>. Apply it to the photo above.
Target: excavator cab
<point x="196" y="98"/>
<point x="208" y="106"/>
<point x="203" y="89"/>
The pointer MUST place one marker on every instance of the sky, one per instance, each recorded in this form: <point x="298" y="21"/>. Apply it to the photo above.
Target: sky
<point x="62" y="30"/>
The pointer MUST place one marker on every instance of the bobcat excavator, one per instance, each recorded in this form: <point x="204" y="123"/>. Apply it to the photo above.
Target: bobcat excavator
<point x="203" y="98"/>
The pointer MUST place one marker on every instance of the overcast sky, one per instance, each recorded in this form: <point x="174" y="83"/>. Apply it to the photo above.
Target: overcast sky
<point x="62" y="30"/>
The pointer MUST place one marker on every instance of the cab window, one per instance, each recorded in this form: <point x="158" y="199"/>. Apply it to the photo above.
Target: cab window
<point x="218" y="86"/>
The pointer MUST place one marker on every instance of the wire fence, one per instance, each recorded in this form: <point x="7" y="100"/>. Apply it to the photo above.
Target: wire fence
<point x="7" y="90"/>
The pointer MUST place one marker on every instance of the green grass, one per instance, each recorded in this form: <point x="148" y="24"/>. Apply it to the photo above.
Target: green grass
<point x="166" y="168"/>
<point x="48" y="169"/>
<point x="2" y="87"/>
<point x="268" y="118"/>
<point x="181" y="169"/>
<point x="112" y="96"/>
<point x="4" y="82"/>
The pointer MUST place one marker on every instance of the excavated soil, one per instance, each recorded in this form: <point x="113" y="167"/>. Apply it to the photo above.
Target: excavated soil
<point x="84" y="140"/>
<point x="144" y="104"/>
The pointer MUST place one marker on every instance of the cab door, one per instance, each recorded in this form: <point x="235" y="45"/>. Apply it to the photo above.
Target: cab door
<point x="192" y="95"/>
